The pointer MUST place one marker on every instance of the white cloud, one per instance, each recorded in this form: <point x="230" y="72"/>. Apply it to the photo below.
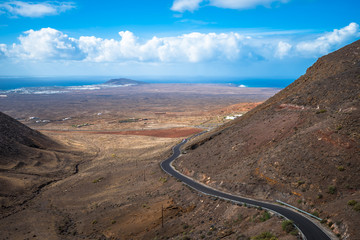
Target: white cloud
<point x="283" y="49"/>
<point x="46" y="43"/>
<point x="49" y="44"/>
<point x="25" y="9"/>
<point x="193" y="47"/>
<point x="191" y="5"/>
<point x="110" y="50"/>
<point x="185" y="5"/>
<point x="325" y="43"/>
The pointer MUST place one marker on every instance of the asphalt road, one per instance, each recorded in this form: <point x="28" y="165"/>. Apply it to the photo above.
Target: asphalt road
<point x="307" y="227"/>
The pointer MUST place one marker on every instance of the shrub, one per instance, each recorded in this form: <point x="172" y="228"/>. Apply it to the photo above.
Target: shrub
<point x="352" y="202"/>
<point x="185" y="226"/>
<point x="239" y="219"/>
<point x="98" y="180"/>
<point x="331" y="189"/>
<point x="300" y="182"/>
<point x="163" y="179"/>
<point x="265" y="216"/>
<point x="242" y="237"/>
<point x="265" y="236"/>
<point x="81" y="125"/>
<point x="357" y="207"/>
<point x="321" y="111"/>
<point x="338" y="127"/>
<point x="212" y="228"/>
<point x="341" y="168"/>
<point x="315" y="214"/>
<point x="288" y="226"/>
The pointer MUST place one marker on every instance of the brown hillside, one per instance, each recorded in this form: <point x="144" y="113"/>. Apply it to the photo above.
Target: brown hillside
<point x="17" y="140"/>
<point x="301" y="146"/>
<point x="29" y="161"/>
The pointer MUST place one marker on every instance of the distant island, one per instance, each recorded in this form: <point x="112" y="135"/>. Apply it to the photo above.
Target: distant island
<point x="123" y="81"/>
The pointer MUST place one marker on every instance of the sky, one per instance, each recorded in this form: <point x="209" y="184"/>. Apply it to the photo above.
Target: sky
<point x="172" y="38"/>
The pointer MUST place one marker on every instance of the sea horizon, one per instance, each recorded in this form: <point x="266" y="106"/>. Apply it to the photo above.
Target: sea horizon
<point x="11" y="82"/>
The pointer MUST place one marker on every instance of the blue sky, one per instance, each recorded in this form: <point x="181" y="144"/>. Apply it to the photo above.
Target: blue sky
<point x="176" y="38"/>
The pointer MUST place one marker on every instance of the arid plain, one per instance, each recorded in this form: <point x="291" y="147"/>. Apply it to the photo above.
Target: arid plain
<point x="110" y="185"/>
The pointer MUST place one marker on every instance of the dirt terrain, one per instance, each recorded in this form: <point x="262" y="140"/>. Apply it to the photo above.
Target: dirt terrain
<point x="301" y="146"/>
<point x="167" y="133"/>
<point x="108" y="183"/>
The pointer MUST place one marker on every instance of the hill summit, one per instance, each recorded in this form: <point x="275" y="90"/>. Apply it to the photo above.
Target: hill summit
<point x="302" y="146"/>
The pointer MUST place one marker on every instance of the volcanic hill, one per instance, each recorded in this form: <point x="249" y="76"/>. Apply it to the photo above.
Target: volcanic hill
<point x="17" y="140"/>
<point x="123" y="81"/>
<point x="29" y="161"/>
<point x="302" y="146"/>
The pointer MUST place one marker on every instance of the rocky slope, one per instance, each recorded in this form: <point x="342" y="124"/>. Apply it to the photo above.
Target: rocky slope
<point x="302" y="146"/>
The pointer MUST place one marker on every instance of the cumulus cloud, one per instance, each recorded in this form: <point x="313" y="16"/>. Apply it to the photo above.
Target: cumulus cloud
<point x="49" y="44"/>
<point x="191" y="5"/>
<point x="193" y="47"/>
<point x="327" y="42"/>
<point x="46" y="43"/>
<point x="26" y="9"/>
<point x="110" y="50"/>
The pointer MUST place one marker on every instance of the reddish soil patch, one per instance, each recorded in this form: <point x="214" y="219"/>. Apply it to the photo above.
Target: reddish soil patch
<point x="165" y="133"/>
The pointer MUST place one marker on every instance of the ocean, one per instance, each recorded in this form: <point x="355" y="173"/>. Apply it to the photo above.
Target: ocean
<point x="241" y="82"/>
<point x="9" y="83"/>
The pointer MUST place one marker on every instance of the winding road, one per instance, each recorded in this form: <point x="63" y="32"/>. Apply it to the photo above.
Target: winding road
<point x="309" y="229"/>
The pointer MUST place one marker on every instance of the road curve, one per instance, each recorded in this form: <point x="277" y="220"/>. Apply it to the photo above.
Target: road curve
<point x="307" y="227"/>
